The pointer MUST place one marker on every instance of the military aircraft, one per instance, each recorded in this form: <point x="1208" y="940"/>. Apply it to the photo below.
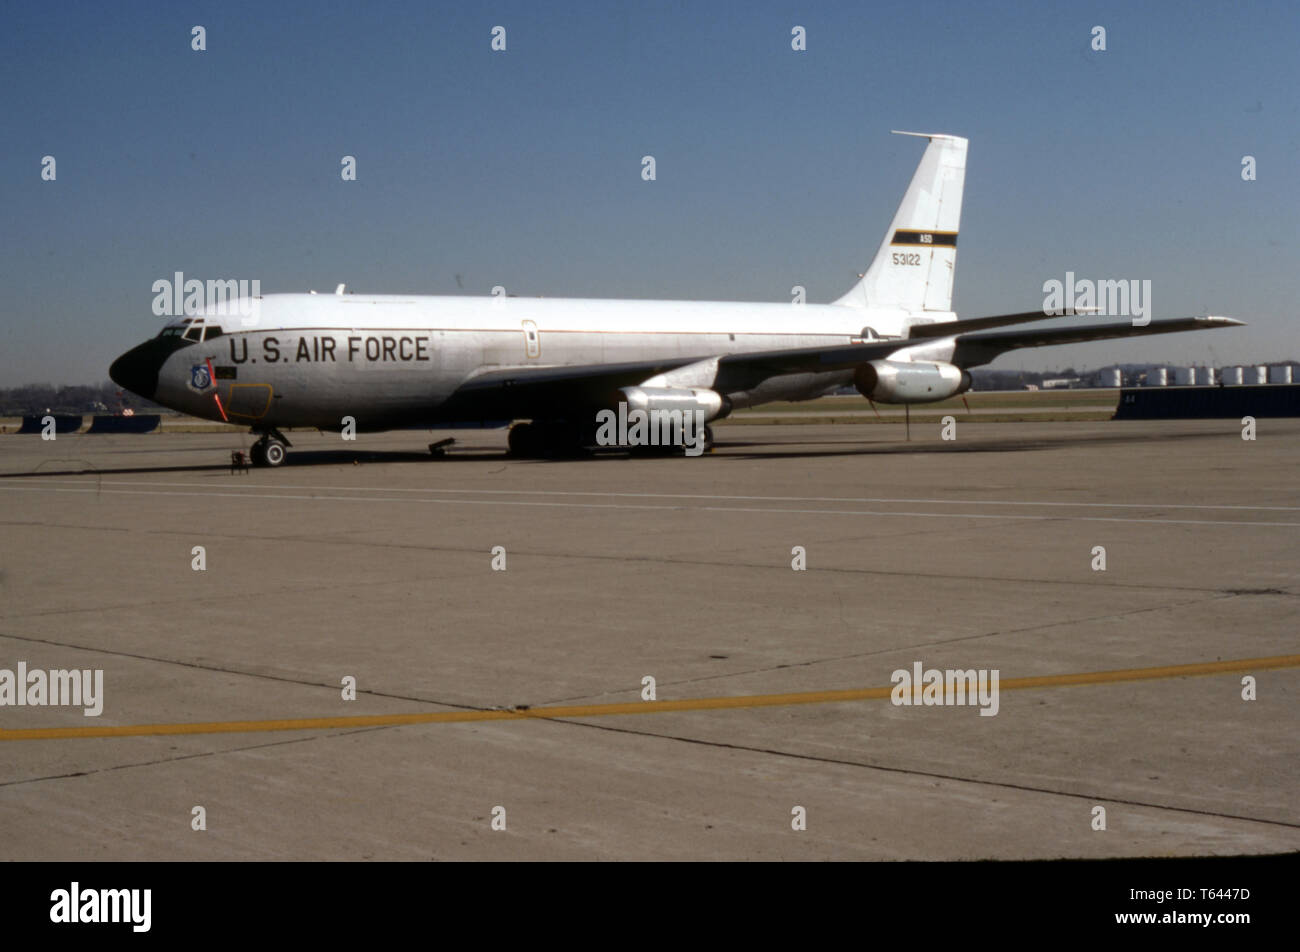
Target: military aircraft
<point x="377" y="362"/>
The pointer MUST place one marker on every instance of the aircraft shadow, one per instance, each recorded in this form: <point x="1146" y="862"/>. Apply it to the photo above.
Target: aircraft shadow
<point x="732" y="450"/>
<point x="294" y="459"/>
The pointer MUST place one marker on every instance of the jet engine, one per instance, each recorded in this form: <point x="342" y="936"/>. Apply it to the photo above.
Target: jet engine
<point x="896" y="381"/>
<point x="686" y="399"/>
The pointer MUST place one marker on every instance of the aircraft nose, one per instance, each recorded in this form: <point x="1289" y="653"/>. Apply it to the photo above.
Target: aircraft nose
<point x="137" y="370"/>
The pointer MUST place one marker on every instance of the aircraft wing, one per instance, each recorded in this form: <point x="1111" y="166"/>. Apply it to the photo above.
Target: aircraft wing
<point x="975" y="349"/>
<point x="739" y="371"/>
<point x="514" y="392"/>
<point x="525" y="392"/>
<point x="950" y="328"/>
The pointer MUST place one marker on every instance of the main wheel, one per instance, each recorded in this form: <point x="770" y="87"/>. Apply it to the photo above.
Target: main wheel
<point x="523" y="440"/>
<point x="562" y="440"/>
<point x="273" y="452"/>
<point x="257" y="453"/>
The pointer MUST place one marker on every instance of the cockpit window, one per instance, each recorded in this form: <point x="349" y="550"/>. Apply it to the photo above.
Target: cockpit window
<point x="192" y="331"/>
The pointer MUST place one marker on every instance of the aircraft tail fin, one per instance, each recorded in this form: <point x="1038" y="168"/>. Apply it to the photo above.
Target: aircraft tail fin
<point x="913" y="270"/>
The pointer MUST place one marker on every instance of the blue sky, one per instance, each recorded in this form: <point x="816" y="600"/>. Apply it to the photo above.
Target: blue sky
<point x="522" y="168"/>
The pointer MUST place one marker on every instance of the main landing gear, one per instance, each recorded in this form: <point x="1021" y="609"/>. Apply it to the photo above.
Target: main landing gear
<point x="269" y="450"/>
<point x="675" y="450"/>
<point x="547" y="441"/>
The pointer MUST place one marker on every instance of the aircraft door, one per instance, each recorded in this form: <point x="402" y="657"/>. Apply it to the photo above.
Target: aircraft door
<point x="532" y="340"/>
<point x="248" y="401"/>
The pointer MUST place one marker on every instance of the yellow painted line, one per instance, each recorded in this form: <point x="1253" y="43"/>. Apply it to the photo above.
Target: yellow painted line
<point x="635" y="707"/>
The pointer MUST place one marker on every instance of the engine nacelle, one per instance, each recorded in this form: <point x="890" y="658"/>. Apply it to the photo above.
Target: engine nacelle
<point x="686" y="399"/>
<point x="896" y="381"/>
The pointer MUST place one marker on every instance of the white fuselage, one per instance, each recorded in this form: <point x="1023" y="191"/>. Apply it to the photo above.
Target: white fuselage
<point x="312" y="359"/>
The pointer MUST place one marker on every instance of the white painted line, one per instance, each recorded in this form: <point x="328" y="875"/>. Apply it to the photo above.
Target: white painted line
<point x="719" y="498"/>
<point x="741" y="509"/>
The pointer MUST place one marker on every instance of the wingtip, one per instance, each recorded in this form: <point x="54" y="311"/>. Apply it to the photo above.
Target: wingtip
<point x="1223" y="321"/>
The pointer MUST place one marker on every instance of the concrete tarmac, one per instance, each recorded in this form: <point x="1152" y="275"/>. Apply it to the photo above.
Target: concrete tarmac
<point x="371" y="560"/>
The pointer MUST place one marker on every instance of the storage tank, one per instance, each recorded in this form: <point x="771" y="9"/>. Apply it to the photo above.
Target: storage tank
<point x="1257" y="375"/>
<point x="1157" y="377"/>
<point x="1232" y="376"/>
<point x="1184" y="376"/>
<point x="1280" y="374"/>
<point x="1111" y="377"/>
<point x="1205" y="376"/>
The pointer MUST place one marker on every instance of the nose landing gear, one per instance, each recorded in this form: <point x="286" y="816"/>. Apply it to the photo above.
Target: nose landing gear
<point x="270" y="450"/>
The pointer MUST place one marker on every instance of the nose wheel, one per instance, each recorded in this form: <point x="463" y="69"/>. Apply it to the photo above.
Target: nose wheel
<point x="270" y="450"/>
